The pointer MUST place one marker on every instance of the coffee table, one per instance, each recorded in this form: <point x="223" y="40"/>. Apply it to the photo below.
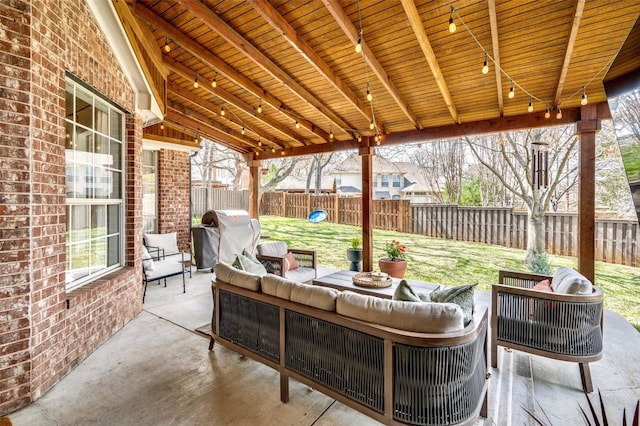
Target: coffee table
<point x="343" y="280"/>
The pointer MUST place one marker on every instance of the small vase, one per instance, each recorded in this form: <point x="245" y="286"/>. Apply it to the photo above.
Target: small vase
<point x="355" y="257"/>
<point x="394" y="268"/>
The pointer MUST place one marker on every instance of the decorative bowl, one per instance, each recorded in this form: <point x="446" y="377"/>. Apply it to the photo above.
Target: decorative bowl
<point x="379" y="276"/>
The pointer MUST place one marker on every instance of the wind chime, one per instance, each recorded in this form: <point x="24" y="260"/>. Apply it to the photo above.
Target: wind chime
<point x="539" y="164"/>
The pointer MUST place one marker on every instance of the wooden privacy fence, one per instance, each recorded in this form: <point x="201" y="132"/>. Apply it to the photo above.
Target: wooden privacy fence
<point x="205" y="199"/>
<point x="616" y="240"/>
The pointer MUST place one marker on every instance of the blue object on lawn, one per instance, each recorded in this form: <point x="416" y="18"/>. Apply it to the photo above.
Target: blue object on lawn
<point x="318" y="216"/>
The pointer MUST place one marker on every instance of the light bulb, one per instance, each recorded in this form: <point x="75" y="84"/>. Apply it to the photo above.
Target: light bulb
<point x="584" y="100"/>
<point x="485" y="66"/>
<point x="369" y="96"/>
<point x="195" y="82"/>
<point x="282" y="152"/>
<point x="547" y="113"/>
<point x="331" y="135"/>
<point x="166" y="47"/>
<point x="359" y="138"/>
<point x="530" y="109"/>
<point x="257" y="153"/>
<point x="260" y="107"/>
<point x="243" y="131"/>
<point x="222" y="112"/>
<point x="273" y="150"/>
<point x="371" y="125"/>
<point x="452" y="25"/>
<point x="297" y="124"/>
<point x="359" y="45"/>
<point x="559" y="114"/>
<point x="162" y="126"/>
<point x="259" y="142"/>
<point x="214" y="82"/>
<point x="512" y="92"/>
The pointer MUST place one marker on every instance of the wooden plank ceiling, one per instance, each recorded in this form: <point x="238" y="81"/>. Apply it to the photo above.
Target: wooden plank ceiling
<point x="288" y="80"/>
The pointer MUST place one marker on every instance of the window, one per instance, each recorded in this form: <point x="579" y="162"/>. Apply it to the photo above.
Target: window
<point x="384" y="181"/>
<point x="396" y="181"/>
<point x="149" y="192"/>
<point x="338" y="180"/>
<point x="375" y="181"/>
<point x="94" y="181"/>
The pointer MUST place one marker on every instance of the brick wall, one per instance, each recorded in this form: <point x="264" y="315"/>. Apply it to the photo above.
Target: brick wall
<point x="173" y="195"/>
<point x="45" y="330"/>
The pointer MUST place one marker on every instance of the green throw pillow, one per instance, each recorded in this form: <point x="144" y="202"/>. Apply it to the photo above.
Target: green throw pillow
<point x="250" y="256"/>
<point x="245" y="264"/>
<point x="406" y="293"/>
<point x="461" y="295"/>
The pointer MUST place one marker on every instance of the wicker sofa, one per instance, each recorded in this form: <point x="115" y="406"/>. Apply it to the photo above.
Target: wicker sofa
<point x="563" y="321"/>
<point x="397" y="362"/>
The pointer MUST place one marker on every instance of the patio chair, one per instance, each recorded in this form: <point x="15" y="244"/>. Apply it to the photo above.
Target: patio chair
<point x="556" y="324"/>
<point x="294" y="264"/>
<point x="166" y="246"/>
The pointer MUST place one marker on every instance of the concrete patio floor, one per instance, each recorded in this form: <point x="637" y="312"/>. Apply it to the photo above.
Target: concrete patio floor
<point x="157" y="370"/>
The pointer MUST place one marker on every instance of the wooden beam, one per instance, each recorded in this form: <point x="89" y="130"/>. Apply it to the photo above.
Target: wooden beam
<point x="577" y="16"/>
<point x="587" y="128"/>
<point x="425" y="45"/>
<point x="271" y="15"/>
<point x="495" y="46"/>
<point x="353" y="35"/>
<point x="215" y="109"/>
<point x="245" y="47"/>
<point x="366" y="156"/>
<point x="221" y="66"/>
<point x="230" y="98"/>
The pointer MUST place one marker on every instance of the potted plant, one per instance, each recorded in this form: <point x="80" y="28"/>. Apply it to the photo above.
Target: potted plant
<point x="354" y="254"/>
<point x="395" y="263"/>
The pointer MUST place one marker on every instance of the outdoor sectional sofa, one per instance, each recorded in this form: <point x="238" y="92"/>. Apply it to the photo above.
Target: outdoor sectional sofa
<point x="397" y="362"/>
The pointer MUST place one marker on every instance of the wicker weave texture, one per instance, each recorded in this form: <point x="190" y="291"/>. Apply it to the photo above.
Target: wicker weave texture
<point x="345" y="360"/>
<point x="438" y="385"/>
<point x="251" y="324"/>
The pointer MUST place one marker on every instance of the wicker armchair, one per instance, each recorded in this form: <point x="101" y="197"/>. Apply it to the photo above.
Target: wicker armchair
<point x="566" y="327"/>
<point x="272" y="256"/>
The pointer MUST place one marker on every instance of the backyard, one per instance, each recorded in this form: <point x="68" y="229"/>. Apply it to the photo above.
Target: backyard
<point x="448" y="262"/>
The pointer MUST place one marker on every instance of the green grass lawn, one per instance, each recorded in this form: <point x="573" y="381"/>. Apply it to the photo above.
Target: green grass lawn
<point x="448" y="262"/>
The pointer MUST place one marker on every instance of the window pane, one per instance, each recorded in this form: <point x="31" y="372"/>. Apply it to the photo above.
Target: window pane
<point x="84" y="109"/>
<point x="113" y="218"/>
<point x="101" y="117"/>
<point x="68" y="105"/>
<point x="115" y="129"/>
<point x="98" y="221"/>
<point x="115" y="185"/>
<point x="77" y="261"/>
<point x="102" y="151"/>
<point x="115" y="151"/>
<point x="113" y="250"/>
<point x="78" y="224"/>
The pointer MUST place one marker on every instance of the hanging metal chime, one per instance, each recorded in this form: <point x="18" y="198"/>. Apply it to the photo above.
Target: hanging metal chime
<point x="539" y="164"/>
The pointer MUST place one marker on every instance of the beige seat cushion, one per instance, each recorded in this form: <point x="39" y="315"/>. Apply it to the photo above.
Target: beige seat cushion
<point x="315" y="296"/>
<point x="233" y="276"/>
<point x="409" y="316"/>
<point x="276" y="248"/>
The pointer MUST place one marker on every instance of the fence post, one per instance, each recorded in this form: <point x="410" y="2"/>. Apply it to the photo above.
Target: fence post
<point x="336" y="209"/>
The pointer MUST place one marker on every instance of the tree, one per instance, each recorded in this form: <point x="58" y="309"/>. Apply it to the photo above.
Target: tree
<point x="514" y="151"/>
<point x="317" y="165"/>
<point x="212" y="157"/>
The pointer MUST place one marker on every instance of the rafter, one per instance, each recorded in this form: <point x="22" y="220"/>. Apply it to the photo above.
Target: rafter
<point x="352" y="34"/>
<point x="221" y="66"/>
<point x="271" y="15"/>
<point x="577" y="16"/>
<point x="495" y="45"/>
<point x="250" y="51"/>
<point x="188" y="74"/>
<point x="215" y="109"/>
<point x="425" y="45"/>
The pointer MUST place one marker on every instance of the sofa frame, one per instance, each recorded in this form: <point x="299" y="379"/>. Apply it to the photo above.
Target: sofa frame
<point x="390" y="375"/>
<point x="565" y="327"/>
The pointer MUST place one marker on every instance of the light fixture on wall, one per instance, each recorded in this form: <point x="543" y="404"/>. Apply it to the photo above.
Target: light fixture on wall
<point x="539" y="164"/>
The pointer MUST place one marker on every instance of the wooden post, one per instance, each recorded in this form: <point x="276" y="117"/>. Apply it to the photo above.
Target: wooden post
<point x="367" y="152"/>
<point x="254" y="187"/>
<point x="336" y="208"/>
<point x="587" y="128"/>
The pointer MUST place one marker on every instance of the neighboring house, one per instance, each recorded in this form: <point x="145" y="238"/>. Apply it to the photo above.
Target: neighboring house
<point x="297" y="184"/>
<point x="390" y="181"/>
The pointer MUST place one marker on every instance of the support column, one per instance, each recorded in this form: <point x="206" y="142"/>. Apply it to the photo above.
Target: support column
<point x="254" y="187"/>
<point x="586" y="130"/>
<point x="367" y="152"/>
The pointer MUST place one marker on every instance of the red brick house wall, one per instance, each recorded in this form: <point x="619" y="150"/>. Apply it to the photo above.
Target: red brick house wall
<point x="44" y="330"/>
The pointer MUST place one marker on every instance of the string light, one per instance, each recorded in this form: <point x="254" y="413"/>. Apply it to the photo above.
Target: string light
<point x="222" y="111"/>
<point x="512" y="91"/>
<point x="257" y="153"/>
<point x="359" y="138"/>
<point x="167" y="47"/>
<point x="452" y="25"/>
<point x="297" y="124"/>
<point x="485" y="67"/>
<point x="530" y="108"/>
<point x="371" y="125"/>
<point x="282" y="153"/>
<point x="243" y="130"/>
<point x="214" y="82"/>
<point x="330" y="135"/>
<point x="195" y="82"/>
<point x="559" y="114"/>
<point x="369" y="95"/>
<point x="162" y="125"/>
<point x="547" y="113"/>
<point x="359" y="43"/>
<point x="273" y="150"/>
<point x="259" y="141"/>
<point x="584" y="100"/>
<point x="260" y="106"/>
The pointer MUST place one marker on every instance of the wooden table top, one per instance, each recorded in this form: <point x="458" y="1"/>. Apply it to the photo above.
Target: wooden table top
<point x="343" y="280"/>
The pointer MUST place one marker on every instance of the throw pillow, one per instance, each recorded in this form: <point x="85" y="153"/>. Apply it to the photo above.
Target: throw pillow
<point x="290" y="262"/>
<point x="405" y="293"/>
<point x="544" y="285"/>
<point x="461" y="295"/>
<point x="245" y="264"/>
<point x="147" y="260"/>
<point x="539" y="307"/>
<point x="250" y="256"/>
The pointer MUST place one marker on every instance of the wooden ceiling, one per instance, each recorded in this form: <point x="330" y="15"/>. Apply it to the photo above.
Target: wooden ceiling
<point x="296" y="60"/>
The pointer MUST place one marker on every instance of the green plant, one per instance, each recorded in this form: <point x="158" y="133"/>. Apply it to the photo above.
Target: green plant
<point x="538" y="263"/>
<point x="356" y="243"/>
<point x="394" y="250"/>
